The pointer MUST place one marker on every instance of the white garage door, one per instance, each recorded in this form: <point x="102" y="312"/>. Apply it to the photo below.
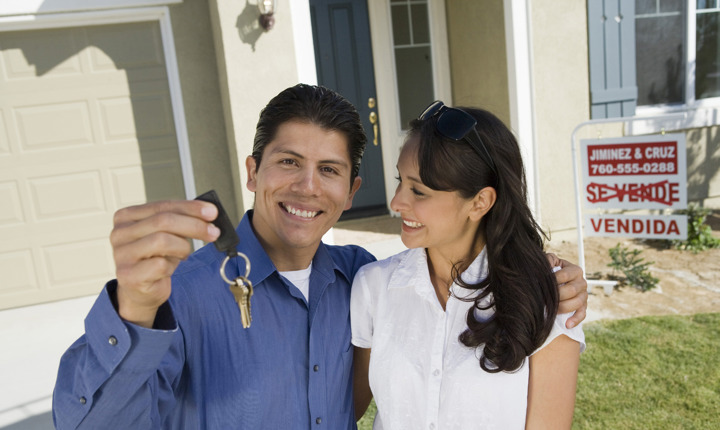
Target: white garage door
<point x="86" y="127"/>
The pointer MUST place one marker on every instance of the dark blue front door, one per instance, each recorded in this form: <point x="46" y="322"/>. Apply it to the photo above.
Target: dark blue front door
<point x="344" y="62"/>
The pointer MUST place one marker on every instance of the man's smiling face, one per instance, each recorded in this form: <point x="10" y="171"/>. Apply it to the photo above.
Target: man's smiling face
<point x="301" y="187"/>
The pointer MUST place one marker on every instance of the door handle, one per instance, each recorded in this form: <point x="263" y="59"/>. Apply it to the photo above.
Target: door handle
<point x="373" y="121"/>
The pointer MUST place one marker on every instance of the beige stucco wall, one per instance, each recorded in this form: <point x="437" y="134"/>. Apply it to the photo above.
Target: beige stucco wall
<point x="561" y="102"/>
<point x="198" y="72"/>
<point x="476" y="38"/>
<point x="703" y="166"/>
<point x="253" y="66"/>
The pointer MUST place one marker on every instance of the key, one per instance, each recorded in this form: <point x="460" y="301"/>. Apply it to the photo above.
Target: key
<point x="241" y="287"/>
<point x="242" y="290"/>
<point x="228" y="239"/>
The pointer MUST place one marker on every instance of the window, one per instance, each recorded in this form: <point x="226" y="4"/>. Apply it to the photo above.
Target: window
<point x="677" y="51"/>
<point x="707" y="70"/>
<point x="660" y="51"/>
<point x="413" y="57"/>
<point x="660" y="55"/>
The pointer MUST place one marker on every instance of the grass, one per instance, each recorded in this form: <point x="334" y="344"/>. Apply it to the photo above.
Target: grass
<point x="646" y="373"/>
<point x="650" y="373"/>
<point x="366" y="421"/>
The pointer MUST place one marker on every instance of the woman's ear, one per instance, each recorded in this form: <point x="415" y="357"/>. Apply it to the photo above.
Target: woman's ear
<point x="483" y="201"/>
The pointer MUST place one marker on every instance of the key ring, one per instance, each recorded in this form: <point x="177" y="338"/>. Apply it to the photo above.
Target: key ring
<point x="247" y="268"/>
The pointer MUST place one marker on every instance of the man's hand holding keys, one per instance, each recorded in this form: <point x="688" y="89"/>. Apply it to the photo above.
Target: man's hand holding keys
<point x="149" y="241"/>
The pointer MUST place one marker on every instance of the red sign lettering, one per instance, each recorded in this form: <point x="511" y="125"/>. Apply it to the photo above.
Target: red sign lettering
<point x="636" y="227"/>
<point x="664" y="192"/>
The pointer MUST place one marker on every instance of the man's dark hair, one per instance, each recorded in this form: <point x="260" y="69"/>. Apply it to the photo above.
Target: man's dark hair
<point x="315" y="105"/>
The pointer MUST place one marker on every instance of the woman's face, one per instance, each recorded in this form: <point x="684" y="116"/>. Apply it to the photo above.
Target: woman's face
<point x="436" y="220"/>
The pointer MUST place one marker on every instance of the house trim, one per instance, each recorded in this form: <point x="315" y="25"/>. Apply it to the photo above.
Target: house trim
<point x="521" y="92"/>
<point x="36" y="7"/>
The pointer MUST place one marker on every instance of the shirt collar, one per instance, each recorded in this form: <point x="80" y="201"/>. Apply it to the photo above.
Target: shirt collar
<point x="412" y="270"/>
<point x="323" y="264"/>
<point x="261" y="264"/>
<point x="478" y="269"/>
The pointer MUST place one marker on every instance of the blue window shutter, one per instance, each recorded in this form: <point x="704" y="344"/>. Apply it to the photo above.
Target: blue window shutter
<point x="611" y="40"/>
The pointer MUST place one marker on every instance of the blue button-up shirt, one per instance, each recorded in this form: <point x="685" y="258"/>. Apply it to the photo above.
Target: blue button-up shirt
<point x="198" y="367"/>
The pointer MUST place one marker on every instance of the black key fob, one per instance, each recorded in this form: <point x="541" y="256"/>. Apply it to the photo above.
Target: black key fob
<point x="228" y="239"/>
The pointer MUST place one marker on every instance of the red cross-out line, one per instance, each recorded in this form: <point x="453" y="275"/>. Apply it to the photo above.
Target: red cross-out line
<point x="637" y="192"/>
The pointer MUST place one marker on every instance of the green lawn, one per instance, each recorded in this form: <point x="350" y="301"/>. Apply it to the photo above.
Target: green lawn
<point x="646" y="373"/>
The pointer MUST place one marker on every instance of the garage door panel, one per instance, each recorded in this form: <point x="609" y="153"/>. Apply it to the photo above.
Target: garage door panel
<point x="11" y="212"/>
<point x="79" y="261"/>
<point x="128" y="184"/>
<point x="44" y="52"/>
<point x="117" y="119"/>
<point x="67" y="195"/>
<point x="140" y="117"/>
<point x="4" y="140"/>
<point x="54" y="125"/>
<point x="36" y="234"/>
<point x="28" y="165"/>
<point x="18" y="269"/>
<point x="153" y="115"/>
<point x="87" y="86"/>
<point x="128" y="46"/>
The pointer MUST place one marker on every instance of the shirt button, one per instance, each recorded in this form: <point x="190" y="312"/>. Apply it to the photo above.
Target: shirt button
<point x="112" y="340"/>
<point x="316" y="367"/>
<point x="432" y="426"/>
<point x="318" y="420"/>
<point x="436" y="372"/>
<point x="82" y="400"/>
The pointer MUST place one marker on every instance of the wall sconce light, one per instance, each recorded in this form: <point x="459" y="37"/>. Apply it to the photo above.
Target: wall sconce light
<point x="267" y="9"/>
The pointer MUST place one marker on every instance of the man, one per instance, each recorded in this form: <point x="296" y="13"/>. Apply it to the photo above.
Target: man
<point x="164" y="346"/>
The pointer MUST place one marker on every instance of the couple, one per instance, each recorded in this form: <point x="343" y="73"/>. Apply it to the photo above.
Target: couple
<point x="164" y="346"/>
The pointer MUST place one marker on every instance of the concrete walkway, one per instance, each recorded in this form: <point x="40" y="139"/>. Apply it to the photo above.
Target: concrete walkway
<point x="33" y="339"/>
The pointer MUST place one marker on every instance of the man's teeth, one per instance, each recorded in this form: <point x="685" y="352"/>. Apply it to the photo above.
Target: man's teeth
<point x="301" y="213"/>
<point x="412" y="224"/>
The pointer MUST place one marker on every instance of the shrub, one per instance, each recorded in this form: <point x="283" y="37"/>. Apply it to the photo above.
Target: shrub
<point x="633" y="267"/>
<point x="700" y="235"/>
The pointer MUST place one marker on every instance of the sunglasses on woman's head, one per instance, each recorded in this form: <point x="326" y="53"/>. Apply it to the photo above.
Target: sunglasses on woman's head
<point x="456" y="124"/>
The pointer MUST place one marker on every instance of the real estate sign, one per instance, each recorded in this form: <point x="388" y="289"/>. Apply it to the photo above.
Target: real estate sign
<point x="641" y="172"/>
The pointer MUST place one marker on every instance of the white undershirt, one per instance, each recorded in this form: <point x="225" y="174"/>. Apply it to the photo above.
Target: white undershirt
<point x="300" y="278"/>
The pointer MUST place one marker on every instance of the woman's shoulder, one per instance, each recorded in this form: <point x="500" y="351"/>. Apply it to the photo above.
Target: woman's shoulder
<point x="381" y="271"/>
<point x="390" y="264"/>
<point x="559" y="328"/>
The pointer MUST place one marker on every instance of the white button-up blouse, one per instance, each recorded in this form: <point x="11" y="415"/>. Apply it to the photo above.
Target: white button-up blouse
<point x="421" y="376"/>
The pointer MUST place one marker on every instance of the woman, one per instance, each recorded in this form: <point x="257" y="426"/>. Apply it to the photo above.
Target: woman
<point x="443" y="331"/>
